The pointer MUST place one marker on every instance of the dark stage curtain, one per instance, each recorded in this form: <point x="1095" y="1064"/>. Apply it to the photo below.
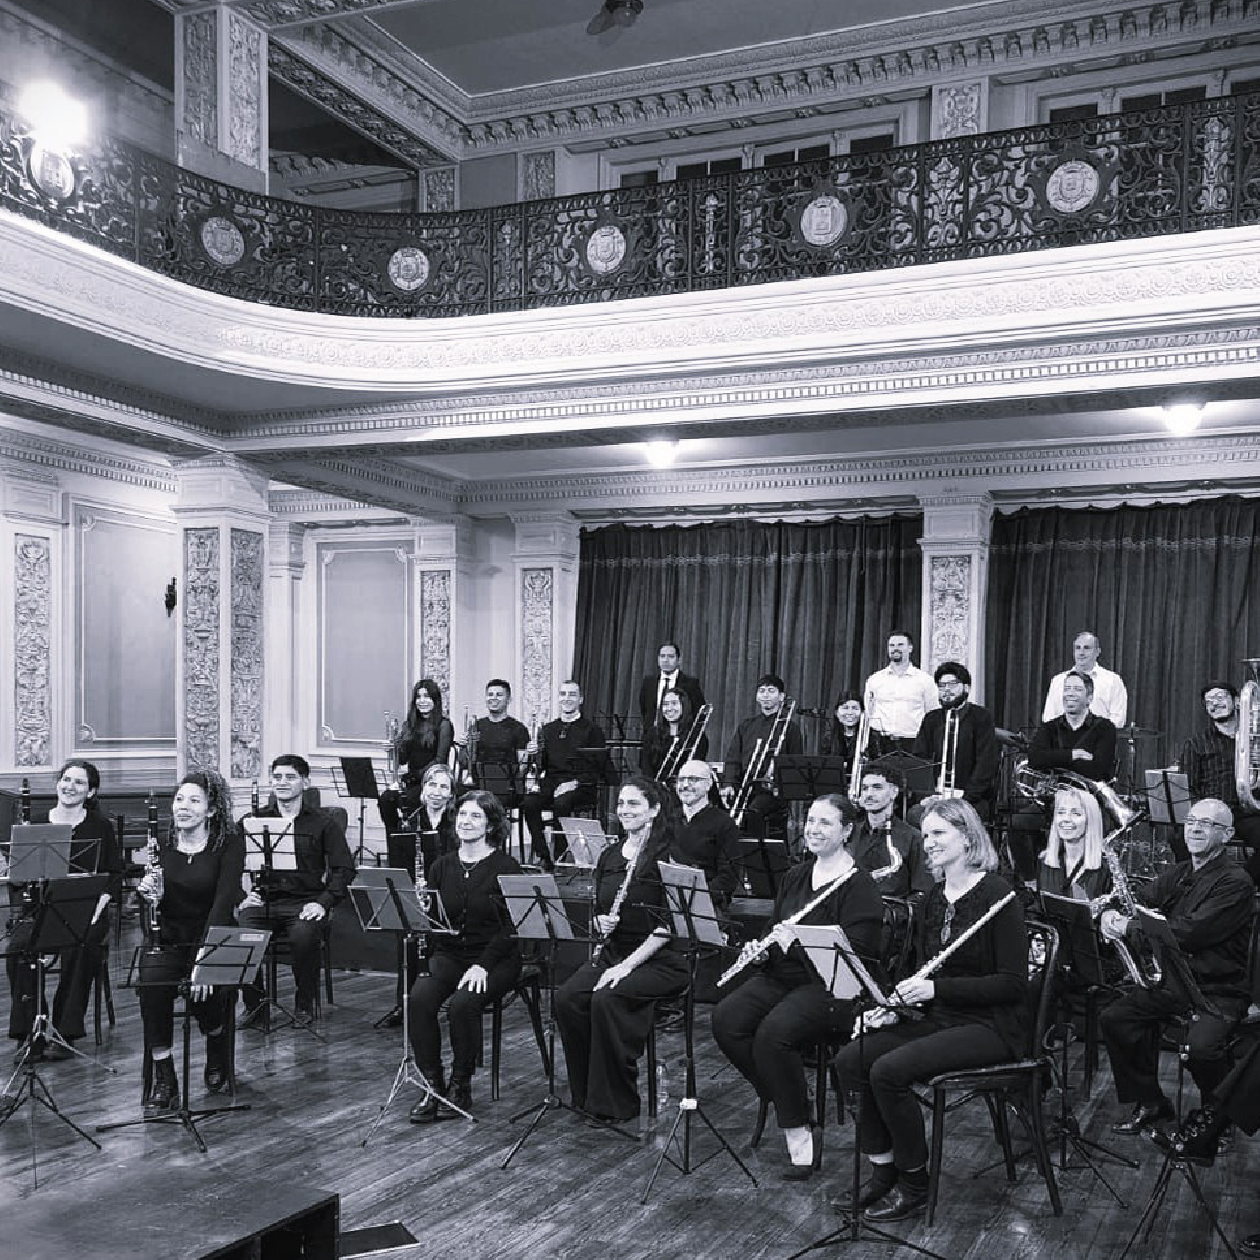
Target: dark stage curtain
<point x="812" y="602"/>
<point x="1166" y="588"/>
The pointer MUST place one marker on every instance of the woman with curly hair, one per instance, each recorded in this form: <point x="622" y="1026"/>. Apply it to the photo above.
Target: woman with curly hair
<point x="195" y="885"/>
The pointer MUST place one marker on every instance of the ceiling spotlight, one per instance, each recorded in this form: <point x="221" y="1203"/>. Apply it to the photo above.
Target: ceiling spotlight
<point x="56" y="118"/>
<point x="661" y="454"/>
<point x="1182" y="418"/>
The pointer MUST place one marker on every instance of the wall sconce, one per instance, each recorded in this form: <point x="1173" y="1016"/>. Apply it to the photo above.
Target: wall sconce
<point x="1182" y="418"/>
<point x="56" y="126"/>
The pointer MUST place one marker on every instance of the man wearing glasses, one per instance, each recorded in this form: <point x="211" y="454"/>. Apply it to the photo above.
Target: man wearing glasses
<point x="959" y="740"/>
<point x="1207" y="901"/>
<point x="708" y="837"/>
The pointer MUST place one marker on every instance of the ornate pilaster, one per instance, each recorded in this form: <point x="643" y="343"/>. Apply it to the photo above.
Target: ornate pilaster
<point x="955" y="546"/>
<point x="960" y="109"/>
<point x="443" y="613"/>
<point x="221" y="95"/>
<point x="222" y="509"/>
<point x="546" y="600"/>
<point x="538" y="175"/>
<point x="282" y="716"/>
<point x="439" y="189"/>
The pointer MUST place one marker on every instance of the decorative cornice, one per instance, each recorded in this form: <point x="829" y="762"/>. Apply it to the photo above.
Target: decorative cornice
<point x="49" y="453"/>
<point x="393" y="486"/>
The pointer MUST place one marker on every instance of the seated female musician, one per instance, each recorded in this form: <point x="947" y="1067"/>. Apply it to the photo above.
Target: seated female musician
<point x="605" y="1009"/>
<point x="973" y="1008"/>
<point x="93" y="851"/>
<point x="764" y="1024"/>
<point x="195" y="885"/>
<point x="481" y="962"/>
<point x="673" y="722"/>
<point x="426" y="737"/>
<point x="1072" y="864"/>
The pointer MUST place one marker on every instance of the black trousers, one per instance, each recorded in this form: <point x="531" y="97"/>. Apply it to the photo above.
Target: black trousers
<point x="1131" y="1028"/>
<point x="463" y="1013"/>
<point x="605" y="1033"/>
<point x="160" y="974"/>
<point x="535" y="804"/>
<point x="1238" y="1095"/>
<point x="282" y="916"/>
<point x="762" y="1028"/>
<point x="74" y="988"/>
<point x="884" y="1065"/>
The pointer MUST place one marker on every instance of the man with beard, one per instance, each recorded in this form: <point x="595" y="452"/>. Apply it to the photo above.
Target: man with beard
<point x="959" y="738"/>
<point x="899" y="696"/>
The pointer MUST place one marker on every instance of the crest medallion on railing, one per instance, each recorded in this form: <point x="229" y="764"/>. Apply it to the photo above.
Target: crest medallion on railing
<point x="222" y="240"/>
<point x="409" y="269"/>
<point x="824" y="220"/>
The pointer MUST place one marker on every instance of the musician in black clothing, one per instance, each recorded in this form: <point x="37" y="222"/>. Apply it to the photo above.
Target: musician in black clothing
<point x="706" y="836"/>
<point x="973" y="747"/>
<point x="669" y="677"/>
<point x="501" y="743"/>
<point x="572" y="758"/>
<point x="783" y="1008"/>
<point x="198" y="882"/>
<point x="469" y="970"/>
<point x="840" y="738"/>
<point x="764" y="813"/>
<point x="426" y="737"/>
<point x="93" y="851"/>
<point x="1079" y="740"/>
<point x="673" y="724"/>
<point x="1208" y="902"/>
<point x="884" y="846"/>
<point x="429" y="830"/>
<point x="605" y="1009"/>
<point x="295" y="903"/>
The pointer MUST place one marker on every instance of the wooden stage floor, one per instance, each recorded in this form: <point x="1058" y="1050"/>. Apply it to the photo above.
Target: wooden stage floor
<point x="572" y="1192"/>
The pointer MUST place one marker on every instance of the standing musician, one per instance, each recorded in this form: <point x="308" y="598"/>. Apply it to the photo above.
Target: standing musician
<point x="1109" y="697"/>
<point x="1072" y="864"/>
<point x="196" y="882"/>
<point x="469" y="970"/>
<point x="605" y="1009"/>
<point x="974" y="1008"/>
<point x="784" y="1007"/>
<point x="900" y="695"/>
<point x="294" y="903"/>
<point x="707" y="836"/>
<point x="426" y="737"/>
<point x="501" y="741"/>
<point x="673" y="723"/>
<point x="959" y="740"/>
<point x="93" y="851"/>
<point x="764" y="811"/>
<point x="1208" y="902"/>
<point x="1207" y="759"/>
<point x="884" y="846"/>
<point x="669" y="678"/>
<point x="572" y="758"/>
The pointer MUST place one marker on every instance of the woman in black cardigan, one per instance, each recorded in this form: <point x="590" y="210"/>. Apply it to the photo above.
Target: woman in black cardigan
<point x="974" y="1009"/>
<point x="481" y="962"/>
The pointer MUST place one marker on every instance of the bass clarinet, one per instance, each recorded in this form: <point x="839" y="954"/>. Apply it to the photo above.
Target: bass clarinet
<point x="151" y="919"/>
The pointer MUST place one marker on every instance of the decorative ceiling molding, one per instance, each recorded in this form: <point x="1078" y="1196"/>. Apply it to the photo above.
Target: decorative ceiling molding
<point x="50" y="453"/>
<point x="394" y="486"/>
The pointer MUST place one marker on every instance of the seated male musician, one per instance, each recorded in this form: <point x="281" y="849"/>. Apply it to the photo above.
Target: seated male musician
<point x="708" y="837"/>
<point x="970" y="763"/>
<point x="501" y="740"/>
<point x="1208" y="902"/>
<point x="571" y="759"/>
<point x="295" y="903"/>
<point x="750" y="756"/>
<point x="884" y="846"/>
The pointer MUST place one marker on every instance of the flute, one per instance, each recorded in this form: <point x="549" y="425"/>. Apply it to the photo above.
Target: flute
<point x="619" y="899"/>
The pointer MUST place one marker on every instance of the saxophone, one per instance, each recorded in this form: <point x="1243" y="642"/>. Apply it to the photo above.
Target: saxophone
<point x="1122" y="892"/>
<point x="894" y="854"/>
<point x="150" y="922"/>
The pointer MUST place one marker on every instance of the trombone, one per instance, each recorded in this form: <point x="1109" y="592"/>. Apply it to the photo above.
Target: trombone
<point x="683" y="747"/>
<point x="761" y="763"/>
<point x="945" y="785"/>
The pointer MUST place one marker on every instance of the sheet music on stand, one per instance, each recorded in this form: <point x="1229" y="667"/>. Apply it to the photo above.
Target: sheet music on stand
<point x="692" y="914"/>
<point x="837" y="963"/>
<point x="385" y="900"/>
<point x="536" y="907"/>
<point x="269" y="844"/>
<point x="39" y="851"/>
<point x="805" y="777"/>
<point x="228" y="957"/>
<point x="586" y="839"/>
<point x="1078" y="933"/>
<point x="1168" y="796"/>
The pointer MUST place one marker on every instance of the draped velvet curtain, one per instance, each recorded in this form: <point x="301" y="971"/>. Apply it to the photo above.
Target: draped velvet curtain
<point x="813" y="602"/>
<point x="1172" y="591"/>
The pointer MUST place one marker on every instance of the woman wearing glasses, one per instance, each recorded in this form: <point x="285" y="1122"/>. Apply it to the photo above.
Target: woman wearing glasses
<point x="973" y="1008"/>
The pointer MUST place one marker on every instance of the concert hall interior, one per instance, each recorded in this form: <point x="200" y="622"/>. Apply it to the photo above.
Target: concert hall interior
<point x="672" y="368"/>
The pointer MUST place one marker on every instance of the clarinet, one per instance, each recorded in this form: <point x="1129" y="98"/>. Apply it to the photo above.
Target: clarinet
<point x="150" y="921"/>
<point x="24" y="805"/>
<point x="253" y="798"/>
<point x="614" y="911"/>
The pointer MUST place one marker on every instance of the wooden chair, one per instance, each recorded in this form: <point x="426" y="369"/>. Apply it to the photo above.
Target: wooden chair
<point x="1020" y="1082"/>
<point x="529" y="989"/>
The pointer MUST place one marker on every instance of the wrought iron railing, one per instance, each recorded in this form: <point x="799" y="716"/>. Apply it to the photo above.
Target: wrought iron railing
<point x="1146" y="173"/>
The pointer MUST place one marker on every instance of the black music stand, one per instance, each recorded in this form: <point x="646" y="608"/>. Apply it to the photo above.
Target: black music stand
<point x="1168" y="802"/>
<point x="61" y="921"/>
<point x="915" y="777"/>
<point x="387" y="900"/>
<point x="762" y="864"/>
<point x="847" y="978"/>
<point x="409" y="956"/>
<point x="538" y="914"/>
<point x="356" y="778"/>
<point x="805" y="777"/>
<point x="1177" y="976"/>
<point x="694" y="922"/>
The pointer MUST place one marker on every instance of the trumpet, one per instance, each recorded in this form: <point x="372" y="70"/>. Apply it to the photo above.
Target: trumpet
<point x="684" y="746"/>
<point x="949" y="756"/>
<point x="761" y="763"/>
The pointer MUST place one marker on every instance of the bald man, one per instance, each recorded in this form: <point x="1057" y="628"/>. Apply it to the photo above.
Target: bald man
<point x="708" y="837"/>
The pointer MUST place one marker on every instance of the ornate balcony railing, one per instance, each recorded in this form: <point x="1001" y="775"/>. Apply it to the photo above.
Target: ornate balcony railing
<point x="1147" y="173"/>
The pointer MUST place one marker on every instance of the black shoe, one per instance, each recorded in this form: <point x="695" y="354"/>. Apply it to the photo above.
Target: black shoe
<point x="427" y="1110"/>
<point x="164" y="1094"/>
<point x="883" y="1178"/>
<point x="803" y="1172"/>
<point x="216" y="1074"/>
<point x="901" y="1201"/>
<point x="303" y="1015"/>
<point x="1145" y="1116"/>
<point x="460" y="1094"/>
<point x="55" y="1052"/>
<point x="392" y="1020"/>
<point x="35" y="1048"/>
<point x="1250" y="1246"/>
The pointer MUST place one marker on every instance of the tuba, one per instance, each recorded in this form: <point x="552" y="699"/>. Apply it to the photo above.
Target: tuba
<point x="1247" y="741"/>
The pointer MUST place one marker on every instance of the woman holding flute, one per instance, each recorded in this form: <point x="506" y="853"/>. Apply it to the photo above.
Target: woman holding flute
<point x="969" y="1006"/>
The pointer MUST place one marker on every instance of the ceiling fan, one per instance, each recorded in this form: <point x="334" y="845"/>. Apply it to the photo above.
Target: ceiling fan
<point x="614" y="13"/>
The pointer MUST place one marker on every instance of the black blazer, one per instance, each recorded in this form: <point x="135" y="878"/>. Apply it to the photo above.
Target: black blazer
<point x="976" y="758"/>
<point x="689" y="686"/>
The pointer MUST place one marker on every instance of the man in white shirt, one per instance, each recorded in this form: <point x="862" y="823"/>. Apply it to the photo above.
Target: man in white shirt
<point x="1110" y="699"/>
<point x="898" y="697"/>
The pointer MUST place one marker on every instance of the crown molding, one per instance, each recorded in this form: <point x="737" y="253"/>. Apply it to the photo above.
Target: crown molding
<point x="54" y="455"/>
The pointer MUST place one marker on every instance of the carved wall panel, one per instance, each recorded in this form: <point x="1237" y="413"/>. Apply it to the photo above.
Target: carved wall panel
<point x="538" y="175"/>
<point x="435" y="629"/>
<point x="202" y="647"/>
<point x="245" y="59"/>
<point x="537" y="637"/>
<point x="32" y="648"/>
<point x="949" y="611"/>
<point x="199" y="36"/>
<point x="439" y="190"/>
<point x="960" y="109"/>
<point x="247" y="653"/>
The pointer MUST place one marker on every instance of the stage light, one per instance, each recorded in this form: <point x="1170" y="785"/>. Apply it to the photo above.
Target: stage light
<point x="1182" y="418"/>
<point x="56" y="119"/>
<point x="661" y="454"/>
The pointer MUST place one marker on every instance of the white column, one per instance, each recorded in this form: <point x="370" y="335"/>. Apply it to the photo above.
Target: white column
<point x="444" y="610"/>
<point x="286" y="567"/>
